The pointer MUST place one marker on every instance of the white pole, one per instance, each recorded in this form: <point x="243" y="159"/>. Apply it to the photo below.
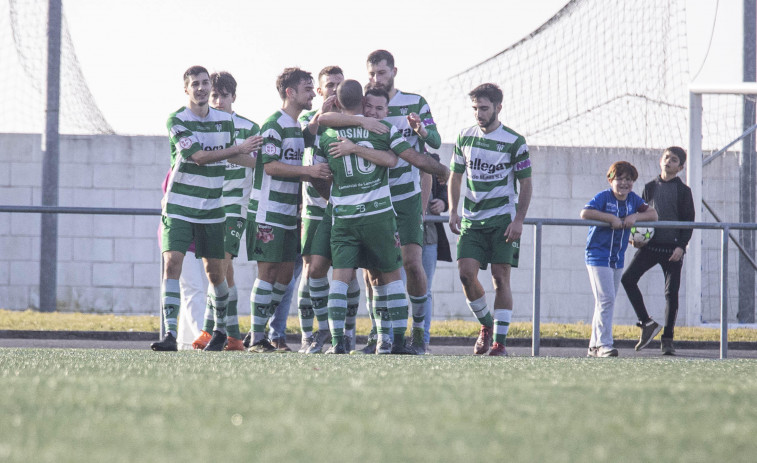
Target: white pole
<point x="694" y="180"/>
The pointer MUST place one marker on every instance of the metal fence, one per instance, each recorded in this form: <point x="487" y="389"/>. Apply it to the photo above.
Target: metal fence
<point x="537" y="223"/>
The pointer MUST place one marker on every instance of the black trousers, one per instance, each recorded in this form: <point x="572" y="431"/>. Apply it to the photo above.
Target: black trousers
<point x="642" y="261"/>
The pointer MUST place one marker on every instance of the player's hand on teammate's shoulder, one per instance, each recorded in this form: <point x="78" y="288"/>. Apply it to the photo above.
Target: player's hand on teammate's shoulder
<point x="341" y="148"/>
<point x="373" y="125"/>
<point x="251" y="144"/>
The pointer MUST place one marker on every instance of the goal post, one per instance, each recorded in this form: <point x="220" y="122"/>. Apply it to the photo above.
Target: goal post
<point x="694" y="180"/>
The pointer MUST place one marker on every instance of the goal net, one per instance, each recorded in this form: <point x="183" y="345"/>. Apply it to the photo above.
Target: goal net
<point x="23" y="54"/>
<point x="601" y="75"/>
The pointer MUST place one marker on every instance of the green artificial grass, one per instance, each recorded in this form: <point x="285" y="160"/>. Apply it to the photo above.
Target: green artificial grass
<point x="123" y="406"/>
<point x="57" y="321"/>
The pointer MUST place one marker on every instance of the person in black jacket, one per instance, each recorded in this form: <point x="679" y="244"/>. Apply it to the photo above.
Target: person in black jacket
<point x="673" y="202"/>
<point x="435" y="243"/>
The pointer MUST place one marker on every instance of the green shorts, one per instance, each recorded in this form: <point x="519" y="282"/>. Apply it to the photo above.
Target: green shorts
<point x="488" y="246"/>
<point x="309" y="227"/>
<point x="235" y="227"/>
<point x="208" y="237"/>
<point x="410" y="220"/>
<point x="374" y="245"/>
<point x="266" y="243"/>
<point x="321" y="245"/>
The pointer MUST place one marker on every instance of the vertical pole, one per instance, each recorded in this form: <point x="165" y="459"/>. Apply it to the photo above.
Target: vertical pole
<point x="535" y="337"/>
<point x="162" y="330"/>
<point x="748" y="172"/>
<point x="724" y="294"/>
<point x="694" y="180"/>
<point x="48" y="259"/>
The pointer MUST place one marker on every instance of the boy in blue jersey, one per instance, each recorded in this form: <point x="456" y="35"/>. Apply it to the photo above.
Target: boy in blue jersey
<point x="620" y="207"/>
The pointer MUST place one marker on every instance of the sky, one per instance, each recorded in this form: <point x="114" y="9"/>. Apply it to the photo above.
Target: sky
<point x="133" y="54"/>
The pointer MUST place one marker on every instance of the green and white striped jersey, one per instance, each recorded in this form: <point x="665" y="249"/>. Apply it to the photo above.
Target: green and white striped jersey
<point x="404" y="179"/>
<point x="274" y="200"/>
<point x="360" y="189"/>
<point x="194" y="192"/>
<point x="313" y="204"/>
<point x="492" y="163"/>
<point x="238" y="179"/>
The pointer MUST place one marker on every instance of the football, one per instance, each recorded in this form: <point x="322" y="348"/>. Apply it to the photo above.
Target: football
<point x="641" y="235"/>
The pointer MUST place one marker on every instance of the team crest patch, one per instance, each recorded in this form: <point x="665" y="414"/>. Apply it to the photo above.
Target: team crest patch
<point x="403" y="110"/>
<point x="219" y="126"/>
<point x="185" y="143"/>
<point x="500" y="146"/>
<point x="269" y="149"/>
<point x="265" y="233"/>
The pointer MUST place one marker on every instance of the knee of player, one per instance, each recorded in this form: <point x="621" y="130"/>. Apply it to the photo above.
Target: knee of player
<point x="501" y="282"/>
<point x="172" y="267"/>
<point x="413" y="267"/>
<point x="467" y="278"/>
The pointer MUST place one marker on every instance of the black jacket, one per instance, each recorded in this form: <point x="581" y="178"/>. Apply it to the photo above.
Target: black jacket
<point x="439" y="191"/>
<point x="678" y="237"/>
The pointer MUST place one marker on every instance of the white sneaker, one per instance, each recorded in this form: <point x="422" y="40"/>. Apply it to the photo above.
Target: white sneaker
<point x="607" y="351"/>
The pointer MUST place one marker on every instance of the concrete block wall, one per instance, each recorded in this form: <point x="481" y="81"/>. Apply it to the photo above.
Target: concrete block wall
<point x="111" y="264"/>
<point x="721" y="192"/>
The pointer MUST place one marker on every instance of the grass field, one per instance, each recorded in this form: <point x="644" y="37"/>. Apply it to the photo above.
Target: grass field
<point x="117" y="406"/>
<point x="56" y="321"/>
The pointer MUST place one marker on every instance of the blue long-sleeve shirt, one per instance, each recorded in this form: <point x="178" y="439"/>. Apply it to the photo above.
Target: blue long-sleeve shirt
<point x="606" y="247"/>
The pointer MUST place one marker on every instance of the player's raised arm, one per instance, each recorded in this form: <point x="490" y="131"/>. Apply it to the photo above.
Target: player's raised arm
<point x="202" y="157"/>
<point x="425" y="162"/>
<point x="423" y="124"/>
<point x="346" y="120"/>
<point x="248" y="159"/>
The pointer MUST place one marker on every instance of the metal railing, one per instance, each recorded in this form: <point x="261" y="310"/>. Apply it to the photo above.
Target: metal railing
<point x="724" y="227"/>
<point x="538" y="224"/>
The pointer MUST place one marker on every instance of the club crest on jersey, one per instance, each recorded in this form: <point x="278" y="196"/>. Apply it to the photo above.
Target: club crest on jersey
<point x="219" y="126"/>
<point x="403" y="110"/>
<point x="500" y="146"/>
<point x="185" y="143"/>
<point x="269" y="149"/>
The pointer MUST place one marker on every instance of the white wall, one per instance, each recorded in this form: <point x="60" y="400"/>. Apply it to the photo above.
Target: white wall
<point x="111" y="264"/>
